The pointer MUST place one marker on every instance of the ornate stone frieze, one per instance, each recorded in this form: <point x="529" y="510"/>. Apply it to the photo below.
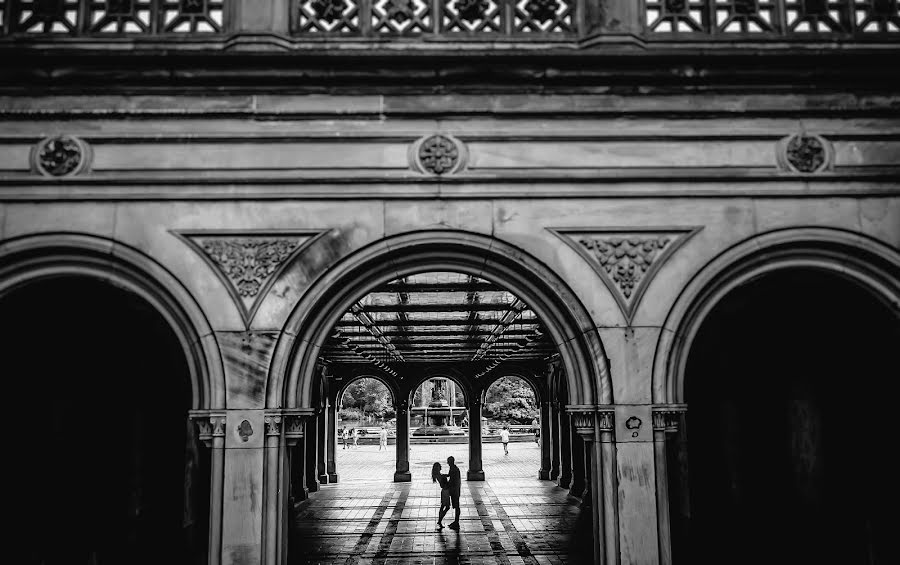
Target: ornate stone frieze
<point x="60" y="156"/>
<point x="804" y="153"/>
<point x="438" y="155"/>
<point x="626" y="260"/>
<point x="248" y="262"/>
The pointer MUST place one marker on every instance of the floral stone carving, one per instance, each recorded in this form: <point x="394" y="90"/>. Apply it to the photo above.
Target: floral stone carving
<point x="439" y="154"/>
<point x="60" y="156"/>
<point x="626" y="261"/>
<point x="248" y="263"/>
<point x="804" y="153"/>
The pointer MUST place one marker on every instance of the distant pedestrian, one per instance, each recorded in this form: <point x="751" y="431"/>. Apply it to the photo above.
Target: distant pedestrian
<point x="355" y="435"/>
<point x="536" y="429"/>
<point x="382" y="438"/>
<point x="504" y="437"/>
<point x="345" y="436"/>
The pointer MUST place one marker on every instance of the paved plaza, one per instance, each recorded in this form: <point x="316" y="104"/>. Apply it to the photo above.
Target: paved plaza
<point x="511" y="518"/>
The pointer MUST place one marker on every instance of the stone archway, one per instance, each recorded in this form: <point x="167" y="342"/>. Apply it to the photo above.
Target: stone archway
<point x="862" y="265"/>
<point x="135" y="354"/>
<point x="290" y="387"/>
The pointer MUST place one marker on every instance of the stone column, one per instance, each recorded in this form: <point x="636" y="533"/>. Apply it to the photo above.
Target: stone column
<point x="311" y="437"/>
<point x="554" y="440"/>
<point x="476" y="472"/>
<point x="546" y="443"/>
<point x="322" y="443"/>
<point x="578" y="471"/>
<point x="402" y="474"/>
<point x="596" y="429"/>
<point x="271" y="522"/>
<point x="331" y="444"/>
<point x="606" y="434"/>
<point x="211" y="431"/>
<point x="565" y="450"/>
<point x="665" y="420"/>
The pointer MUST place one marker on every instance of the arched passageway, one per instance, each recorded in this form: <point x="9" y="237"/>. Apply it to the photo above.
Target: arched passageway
<point x="107" y="469"/>
<point x="512" y="405"/>
<point x="787" y="383"/>
<point x="458" y="306"/>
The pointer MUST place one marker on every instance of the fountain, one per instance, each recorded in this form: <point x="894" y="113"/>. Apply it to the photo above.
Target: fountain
<point x="438" y="413"/>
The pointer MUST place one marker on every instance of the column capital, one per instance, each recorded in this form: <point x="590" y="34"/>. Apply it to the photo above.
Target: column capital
<point x="666" y="417"/>
<point x="584" y="418"/>
<point x="293" y="420"/>
<point x="210" y="423"/>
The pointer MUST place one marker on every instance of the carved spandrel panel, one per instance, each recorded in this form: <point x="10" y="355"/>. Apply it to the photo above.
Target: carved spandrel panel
<point x="625" y="260"/>
<point x="248" y="263"/>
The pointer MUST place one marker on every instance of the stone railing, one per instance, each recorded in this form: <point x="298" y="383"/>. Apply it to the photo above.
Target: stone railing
<point x="112" y="17"/>
<point x="460" y="21"/>
<point x="746" y="19"/>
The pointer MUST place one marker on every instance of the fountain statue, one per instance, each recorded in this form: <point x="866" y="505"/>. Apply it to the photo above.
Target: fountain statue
<point x="438" y="414"/>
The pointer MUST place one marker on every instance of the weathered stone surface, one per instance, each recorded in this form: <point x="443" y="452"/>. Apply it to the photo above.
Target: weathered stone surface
<point x="246" y="356"/>
<point x="637" y="503"/>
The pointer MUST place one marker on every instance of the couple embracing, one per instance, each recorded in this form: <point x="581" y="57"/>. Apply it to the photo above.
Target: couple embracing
<point x="450" y="486"/>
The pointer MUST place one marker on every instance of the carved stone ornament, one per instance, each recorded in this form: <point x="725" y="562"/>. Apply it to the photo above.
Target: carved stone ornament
<point x="248" y="263"/>
<point x="61" y="156"/>
<point x="329" y="10"/>
<point x="245" y="430"/>
<point x="472" y="10"/>
<point x="438" y="155"/>
<point x="805" y="153"/>
<point x="542" y="10"/>
<point x="626" y="261"/>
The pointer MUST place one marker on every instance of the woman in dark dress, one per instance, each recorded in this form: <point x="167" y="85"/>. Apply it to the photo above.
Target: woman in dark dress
<point x="437" y="477"/>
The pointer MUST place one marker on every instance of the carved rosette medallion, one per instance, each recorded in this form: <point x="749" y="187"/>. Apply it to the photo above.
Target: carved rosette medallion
<point x="438" y="155"/>
<point x="804" y="153"/>
<point x="61" y="156"/>
<point x="248" y="263"/>
<point x="626" y="261"/>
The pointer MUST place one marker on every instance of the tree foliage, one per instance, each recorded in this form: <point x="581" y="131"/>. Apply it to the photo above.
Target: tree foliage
<point x="511" y="399"/>
<point x="369" y="396"/>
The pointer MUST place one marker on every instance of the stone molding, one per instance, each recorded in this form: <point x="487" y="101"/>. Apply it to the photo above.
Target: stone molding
<point x="626" y="259"/>
<point x="61" y="156"/>
<point x="248" y="262"/>
<point x="294" y="420"/>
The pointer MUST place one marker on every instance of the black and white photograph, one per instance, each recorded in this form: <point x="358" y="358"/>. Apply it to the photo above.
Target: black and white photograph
<point x="450" y="282"/>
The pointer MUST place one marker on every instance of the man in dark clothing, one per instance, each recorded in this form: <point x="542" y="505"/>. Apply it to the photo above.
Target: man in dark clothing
<point x="455" y="486"/>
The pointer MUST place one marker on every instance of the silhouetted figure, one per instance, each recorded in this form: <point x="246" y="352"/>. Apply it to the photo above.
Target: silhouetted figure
<point x="437" y="477"/>
<point x="455" y="486"/>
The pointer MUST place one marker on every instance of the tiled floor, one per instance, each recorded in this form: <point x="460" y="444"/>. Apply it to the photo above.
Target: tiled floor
<point x="368" y="519"/>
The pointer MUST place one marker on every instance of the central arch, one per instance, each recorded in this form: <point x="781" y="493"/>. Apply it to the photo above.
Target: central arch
<point x="291" y="379"/>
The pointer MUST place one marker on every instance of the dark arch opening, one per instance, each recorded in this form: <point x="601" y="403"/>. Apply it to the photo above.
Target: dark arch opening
<point x="108" y="469"/>
<point x="787" y="384"/>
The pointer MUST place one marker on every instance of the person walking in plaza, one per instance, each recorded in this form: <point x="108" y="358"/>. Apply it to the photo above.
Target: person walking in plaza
<point x="355" y="433"/>
<point x="382" y="439"/>
<point x="536" y="430"/>
<point x="455" y="481"/>
<point x="504" y="437"/>
<point x="345" y="437"/>
<point x="437" y="477"/>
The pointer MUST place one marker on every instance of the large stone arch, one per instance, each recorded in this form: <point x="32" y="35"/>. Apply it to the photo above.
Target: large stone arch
<point x="869" y="263"/>
<point x="567" y="321"/>
<point x="52" y="255"/>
